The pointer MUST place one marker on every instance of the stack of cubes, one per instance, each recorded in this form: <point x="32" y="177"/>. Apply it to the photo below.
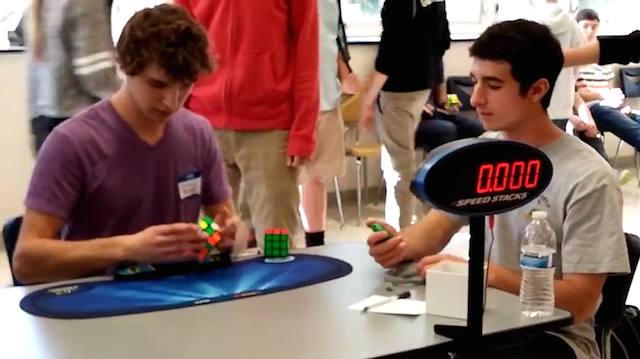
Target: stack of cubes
<point x="276" y="243"/>
<point x="211" y="228"/>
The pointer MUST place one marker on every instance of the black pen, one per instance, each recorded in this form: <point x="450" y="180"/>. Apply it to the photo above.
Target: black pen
<point x="402" y="295"/>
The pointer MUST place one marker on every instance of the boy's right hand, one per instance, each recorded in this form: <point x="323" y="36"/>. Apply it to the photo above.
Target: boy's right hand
<point x="164" y="243"/>
<point x="388" y="252"/>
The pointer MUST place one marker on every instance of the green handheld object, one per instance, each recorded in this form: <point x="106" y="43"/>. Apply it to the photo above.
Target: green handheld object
<point x="379" y="228"/>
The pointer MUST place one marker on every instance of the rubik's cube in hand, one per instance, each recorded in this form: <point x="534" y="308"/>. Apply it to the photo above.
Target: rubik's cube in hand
<point x="452" y="100"/>
<point x="276" y="243"/>
<point x="213" y="230"/>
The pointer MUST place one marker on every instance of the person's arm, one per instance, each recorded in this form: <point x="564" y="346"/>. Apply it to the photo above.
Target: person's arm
<point x="90" y="48"/>
<point x="583" y="121"/>
<point x="427" y="237"/>
<point x="583" y="55"/>
<point x="430" y="235"/>
<point x="440" y="95"/>
<point x="368" y="102"/>
<point x="619" y="49"/>
<point x="349" y="80"/>
<point x="583" y="89"/>
<point x="303" y="21"/>
<point x="589" y="95"/>
<point x="575" y="293"/>
<point x="40" y="255"/>
<point x="607" y="50"/>
<point x="390" y="51"/>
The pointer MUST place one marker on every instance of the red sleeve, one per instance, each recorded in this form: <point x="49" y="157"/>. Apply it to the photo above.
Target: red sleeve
<point x="306" y="88"/>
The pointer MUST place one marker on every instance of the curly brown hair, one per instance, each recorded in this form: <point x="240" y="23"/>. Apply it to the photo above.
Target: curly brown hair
<point x="167" y="36"/>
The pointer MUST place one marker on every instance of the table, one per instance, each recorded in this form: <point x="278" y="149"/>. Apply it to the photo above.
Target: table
<point x="309" y="322"/>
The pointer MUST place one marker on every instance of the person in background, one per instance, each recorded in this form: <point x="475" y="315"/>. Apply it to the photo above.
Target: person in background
<point x="606" y="50"/>
<point x="414" y="38"/>
<point x="70" y="61"/>
<point x="263" y="101"/>
<point x="327" y="160"/>
<point x="566" y="106"/>
<point x="595" y="85"/>
<point x="440" y="122"/>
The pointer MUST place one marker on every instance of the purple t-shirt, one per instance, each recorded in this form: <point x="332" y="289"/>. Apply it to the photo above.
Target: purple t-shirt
<point x="104" y="180"/>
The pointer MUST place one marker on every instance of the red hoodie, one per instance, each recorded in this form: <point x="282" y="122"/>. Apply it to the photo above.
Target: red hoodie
<point x="267" y="67"/>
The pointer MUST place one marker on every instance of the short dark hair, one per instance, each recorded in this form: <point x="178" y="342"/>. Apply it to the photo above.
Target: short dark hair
<point x="587" y="14"/>
<point x="530" y="48"/>
<point x="167" y="36"/>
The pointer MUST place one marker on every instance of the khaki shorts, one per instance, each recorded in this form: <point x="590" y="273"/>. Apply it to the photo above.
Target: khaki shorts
<point x="265" y="189"/>
<point x="328" y="158"/>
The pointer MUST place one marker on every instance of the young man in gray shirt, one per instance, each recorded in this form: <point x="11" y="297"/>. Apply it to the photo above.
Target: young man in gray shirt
<point x="513" y="87"/>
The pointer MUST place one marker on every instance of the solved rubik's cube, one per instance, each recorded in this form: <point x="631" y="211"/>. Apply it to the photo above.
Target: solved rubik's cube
<point x="276" y="243"/>
<point x="211" y="228"/>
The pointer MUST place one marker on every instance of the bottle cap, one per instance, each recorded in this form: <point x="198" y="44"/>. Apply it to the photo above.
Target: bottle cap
<point x="539" y="215"/>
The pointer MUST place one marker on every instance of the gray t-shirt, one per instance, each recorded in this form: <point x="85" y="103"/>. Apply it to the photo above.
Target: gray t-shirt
<point x="584" y="207"/>
<point x="103" y="180"/>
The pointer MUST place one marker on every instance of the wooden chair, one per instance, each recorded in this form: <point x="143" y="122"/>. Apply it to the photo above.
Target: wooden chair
<point x="350" y="110"/>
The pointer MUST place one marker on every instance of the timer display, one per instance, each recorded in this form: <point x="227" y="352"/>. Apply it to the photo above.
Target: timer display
<point x="482" y="176"/>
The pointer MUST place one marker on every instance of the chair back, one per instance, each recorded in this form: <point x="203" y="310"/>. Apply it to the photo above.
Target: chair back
<point x="616" y="288"/>
<point x="463" y="87"/>
<point x="630" y="81"/>
<point x="350" y="108"/>
<point x="10" y="233"/>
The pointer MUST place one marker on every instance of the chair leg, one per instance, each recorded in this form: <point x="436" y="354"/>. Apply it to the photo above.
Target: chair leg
<point x="339" y="201"/>
<point x="380" y="188"/>
<point x="605" y="344"/>
<point x="359" y="188"/>
<point x="365" y="167"/>
<point x="615" y="157"/>
<point x="636" y="159"/>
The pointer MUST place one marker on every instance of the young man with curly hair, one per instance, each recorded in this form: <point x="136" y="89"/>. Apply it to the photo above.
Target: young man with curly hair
<point x="125" y="180"/>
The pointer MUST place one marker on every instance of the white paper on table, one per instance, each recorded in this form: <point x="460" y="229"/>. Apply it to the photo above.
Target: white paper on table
<point x="398" y="306"/>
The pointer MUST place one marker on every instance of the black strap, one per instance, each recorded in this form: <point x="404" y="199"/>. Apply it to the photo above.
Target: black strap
<point x="343" y="45"/>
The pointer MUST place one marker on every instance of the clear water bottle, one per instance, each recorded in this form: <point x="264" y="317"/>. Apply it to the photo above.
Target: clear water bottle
<point x="536" y="261"/>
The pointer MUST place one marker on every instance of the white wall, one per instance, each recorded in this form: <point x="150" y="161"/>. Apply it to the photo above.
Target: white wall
<point x="16" y="160"/>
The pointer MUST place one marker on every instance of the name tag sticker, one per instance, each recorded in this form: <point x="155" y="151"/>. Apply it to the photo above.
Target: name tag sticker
<point x="190" y="184"/>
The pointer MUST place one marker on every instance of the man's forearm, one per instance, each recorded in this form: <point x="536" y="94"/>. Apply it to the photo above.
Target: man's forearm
<point x="343" y="68"/>
<point x="430" y="235"/>
<point x="588" y="95"/>
<point x="567" y="295"/>
<point x="46" y="260"/>
<point x="584" y="55"/>
<point x="377" y="82"/>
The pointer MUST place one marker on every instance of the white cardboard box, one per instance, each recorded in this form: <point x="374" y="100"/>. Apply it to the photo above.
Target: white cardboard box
<point x="446" y="289"/>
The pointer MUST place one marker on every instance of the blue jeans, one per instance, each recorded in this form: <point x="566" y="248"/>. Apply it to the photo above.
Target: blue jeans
<point x="612" y="120"/>
<point x="42" y="126"/>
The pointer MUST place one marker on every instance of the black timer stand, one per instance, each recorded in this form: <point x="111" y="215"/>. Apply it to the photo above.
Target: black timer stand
<point x="471" y="334"/>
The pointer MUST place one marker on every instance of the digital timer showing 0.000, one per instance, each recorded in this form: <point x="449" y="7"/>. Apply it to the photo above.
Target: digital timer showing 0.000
<point x="493" y="178"/>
